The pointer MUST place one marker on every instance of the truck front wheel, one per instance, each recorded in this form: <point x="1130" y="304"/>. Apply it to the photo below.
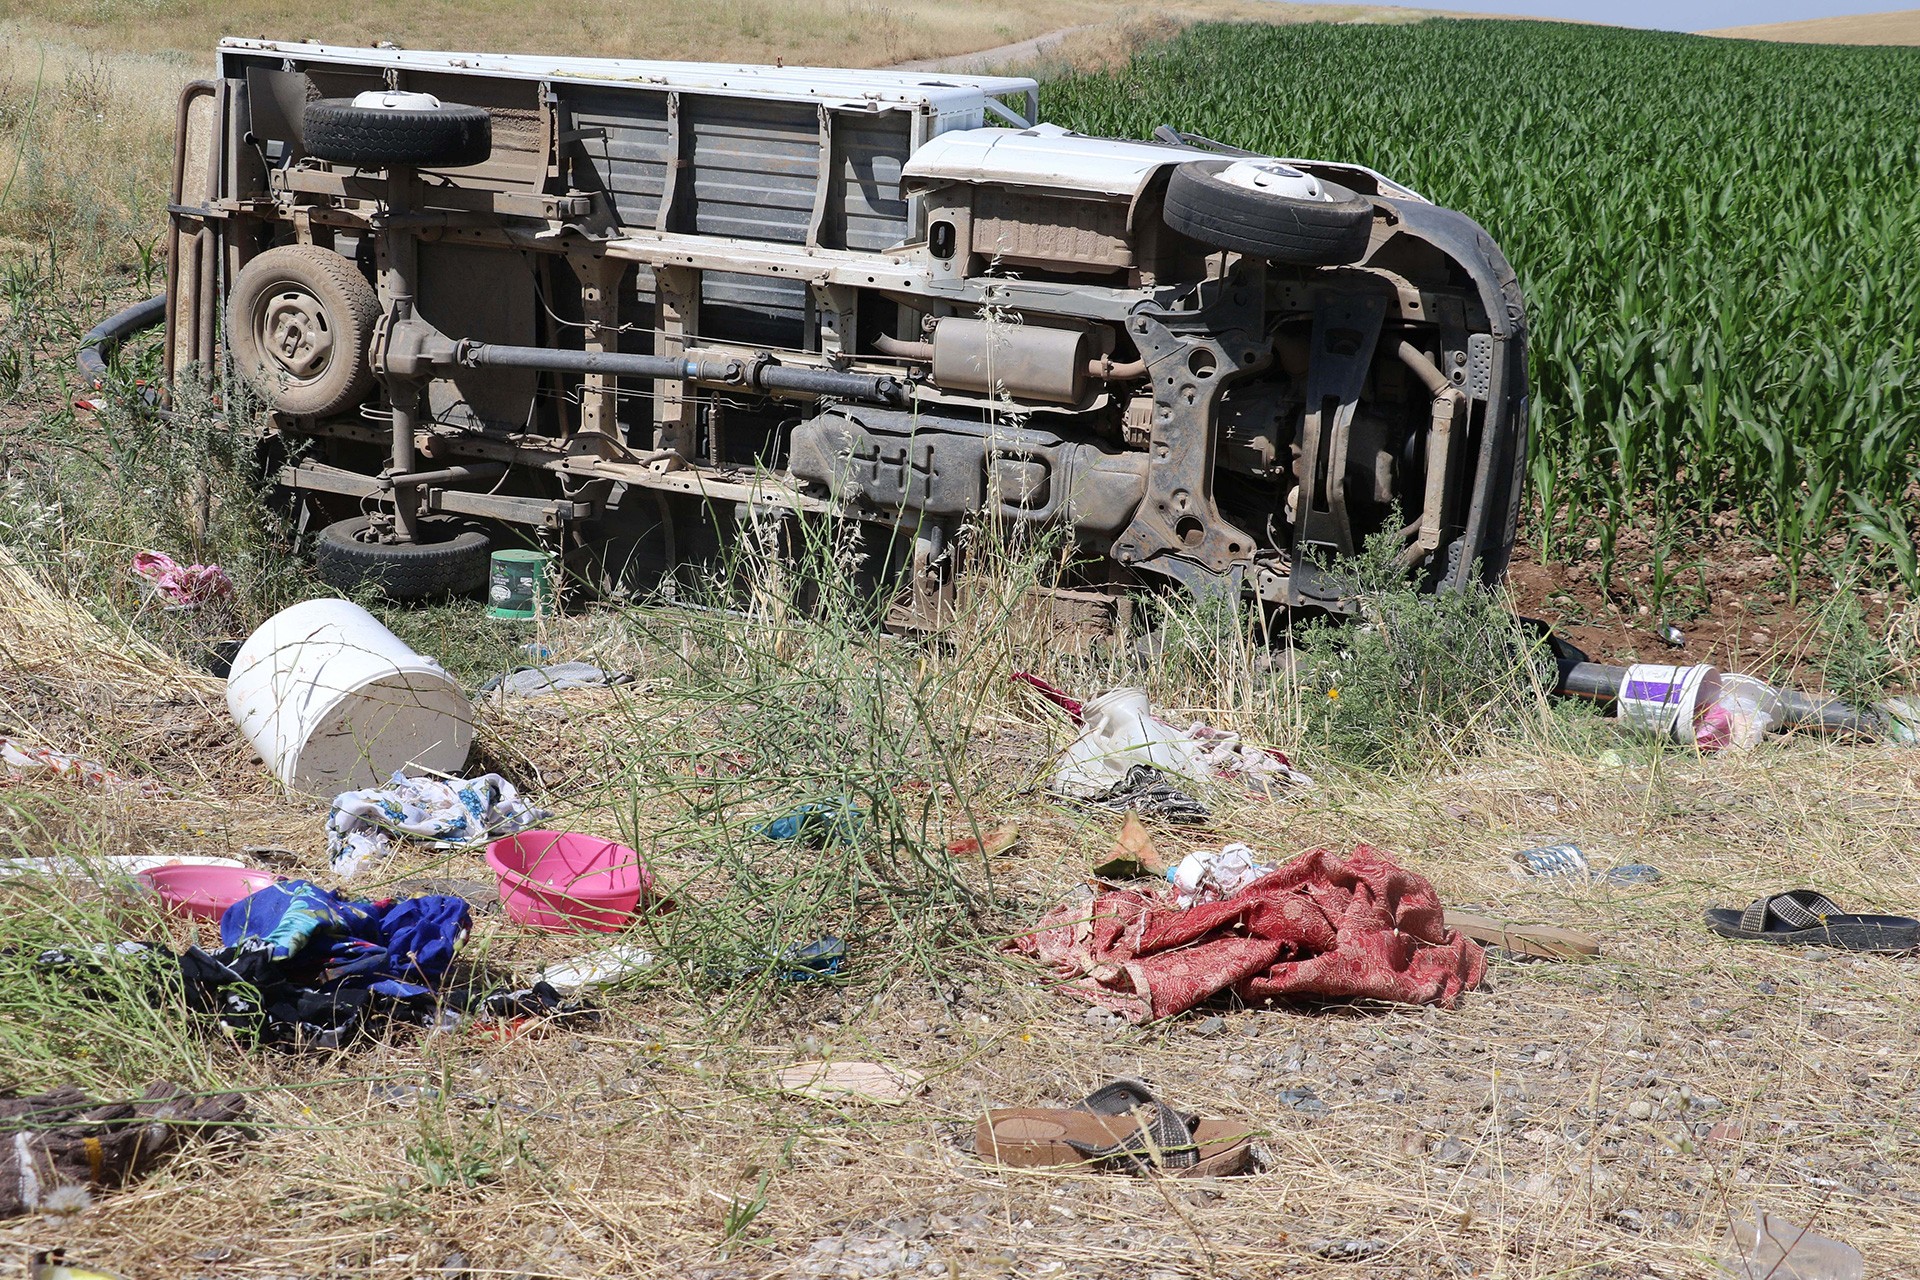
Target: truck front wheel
<point x="1270" y="210"/>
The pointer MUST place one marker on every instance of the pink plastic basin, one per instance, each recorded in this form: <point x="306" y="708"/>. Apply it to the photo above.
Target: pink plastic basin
<point x="568" y="882"/>
<point x="201" y="892"/>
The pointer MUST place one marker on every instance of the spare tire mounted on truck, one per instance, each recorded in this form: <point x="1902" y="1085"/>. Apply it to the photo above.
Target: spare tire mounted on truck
<point x="375" y="130"/>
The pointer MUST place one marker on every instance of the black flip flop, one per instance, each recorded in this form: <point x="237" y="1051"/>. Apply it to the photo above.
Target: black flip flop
<point x="1808" y="918"/>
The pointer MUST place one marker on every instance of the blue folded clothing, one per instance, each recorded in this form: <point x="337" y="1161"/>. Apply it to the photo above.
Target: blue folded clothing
<point x="401" y="948"/>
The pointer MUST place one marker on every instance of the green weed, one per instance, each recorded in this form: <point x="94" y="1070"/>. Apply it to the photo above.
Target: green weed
<point x="454" y="1151"/>
<point x="107" y="1020"/>
<point x="1859" y="662"/>
<point x="83" y="495"/>
<point x="743" y="1211"/>
<point x="786" y="694"/>
<point x="1421" y="677"/>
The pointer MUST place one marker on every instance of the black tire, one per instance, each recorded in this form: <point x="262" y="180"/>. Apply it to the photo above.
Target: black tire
<point x="1266" y="224"/>
<point x="449" y="559"/>
<point x="449" y="136"/>
<point x="299" y="325"/>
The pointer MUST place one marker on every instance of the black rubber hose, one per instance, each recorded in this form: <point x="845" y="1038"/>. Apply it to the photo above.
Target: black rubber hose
<point x="1594" y="680"/>
<point x="1810" y="711"/>
<point x="101" y="341"/>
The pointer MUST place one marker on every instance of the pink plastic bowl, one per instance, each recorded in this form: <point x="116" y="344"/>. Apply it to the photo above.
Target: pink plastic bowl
<point x="204" y="893"/>
<point x="567" y="882"/>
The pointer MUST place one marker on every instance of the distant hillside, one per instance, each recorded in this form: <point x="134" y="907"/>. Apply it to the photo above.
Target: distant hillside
<point x="1870" y="28"/>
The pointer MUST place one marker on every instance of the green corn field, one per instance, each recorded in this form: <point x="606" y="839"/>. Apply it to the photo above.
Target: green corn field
<point x="1719" y="240"/>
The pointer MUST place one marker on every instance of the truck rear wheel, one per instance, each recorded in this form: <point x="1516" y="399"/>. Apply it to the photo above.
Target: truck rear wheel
<point x="299" y="323"/>
<point x="449" y="559"/>
<point x="417" y="130"/>
<point x="1269" y="210"/>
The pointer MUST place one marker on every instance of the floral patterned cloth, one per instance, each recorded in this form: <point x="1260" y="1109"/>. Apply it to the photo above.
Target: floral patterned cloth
<point x="456" y="810"/>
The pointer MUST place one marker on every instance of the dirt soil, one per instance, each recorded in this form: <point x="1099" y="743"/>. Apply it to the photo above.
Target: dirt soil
<point x="1596" y="1119"/>
<point x="1731" y="601"/>
<point x="1603" y="1118"/>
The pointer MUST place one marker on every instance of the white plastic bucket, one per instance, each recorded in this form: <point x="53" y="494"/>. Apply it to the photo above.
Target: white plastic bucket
<point x="333" y="701"/>
<point x="1661" y="700"/>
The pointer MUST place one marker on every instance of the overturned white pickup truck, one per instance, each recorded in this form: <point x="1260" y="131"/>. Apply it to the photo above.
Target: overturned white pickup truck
<point x="622" y="308"/>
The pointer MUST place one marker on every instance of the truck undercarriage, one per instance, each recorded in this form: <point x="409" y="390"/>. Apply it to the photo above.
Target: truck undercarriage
<point x="627" y="308"/>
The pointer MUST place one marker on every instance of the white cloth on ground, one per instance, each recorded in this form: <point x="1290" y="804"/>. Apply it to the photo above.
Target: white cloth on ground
<point x="456" y="810"/>
<point x="1119" y="730"/>
<point x="541" y="682"/>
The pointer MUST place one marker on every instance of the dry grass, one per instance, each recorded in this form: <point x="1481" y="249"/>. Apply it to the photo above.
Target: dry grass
<point x="802" y="32"/>
<point x="103" y="690"/>
<point x="1866" y="28"/>
<point x="85" y="141"/>
<point x="1600" y="1118"/>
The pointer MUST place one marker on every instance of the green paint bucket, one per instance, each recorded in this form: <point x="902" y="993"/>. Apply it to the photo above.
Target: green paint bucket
<point x="519" y="586"/>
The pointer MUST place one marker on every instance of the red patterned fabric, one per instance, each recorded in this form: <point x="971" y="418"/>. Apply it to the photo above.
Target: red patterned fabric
<point x="1321" y="927"/>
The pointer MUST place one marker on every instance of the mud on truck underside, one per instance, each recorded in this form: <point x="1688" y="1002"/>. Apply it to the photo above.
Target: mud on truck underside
<point x="623" y="309"/>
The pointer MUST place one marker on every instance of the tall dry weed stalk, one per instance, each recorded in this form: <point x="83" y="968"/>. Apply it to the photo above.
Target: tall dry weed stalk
<point x="85" y="140"/>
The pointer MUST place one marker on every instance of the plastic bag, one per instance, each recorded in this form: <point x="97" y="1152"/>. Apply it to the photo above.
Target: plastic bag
<point x="1738" y="715"/>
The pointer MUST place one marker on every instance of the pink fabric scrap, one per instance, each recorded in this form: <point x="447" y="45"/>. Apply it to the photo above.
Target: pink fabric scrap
<point x="1321" y="927"/>
<point x="183" y="586"/>
<point x="21" y="760"/>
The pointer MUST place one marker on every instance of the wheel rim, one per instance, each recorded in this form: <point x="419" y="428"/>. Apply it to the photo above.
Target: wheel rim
<point x="1271" y="177"/>
<point x="291" y="330"/>
<point x="430" y="535"/>
<point x="371" y="535"/>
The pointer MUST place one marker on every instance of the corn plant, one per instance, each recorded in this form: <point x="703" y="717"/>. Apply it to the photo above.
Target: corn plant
<point x="1719" y="240"/>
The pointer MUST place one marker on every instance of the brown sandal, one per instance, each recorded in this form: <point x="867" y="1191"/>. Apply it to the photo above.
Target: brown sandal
<point x="1119" y="1128"/>
<point x="1545" y="941"/>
